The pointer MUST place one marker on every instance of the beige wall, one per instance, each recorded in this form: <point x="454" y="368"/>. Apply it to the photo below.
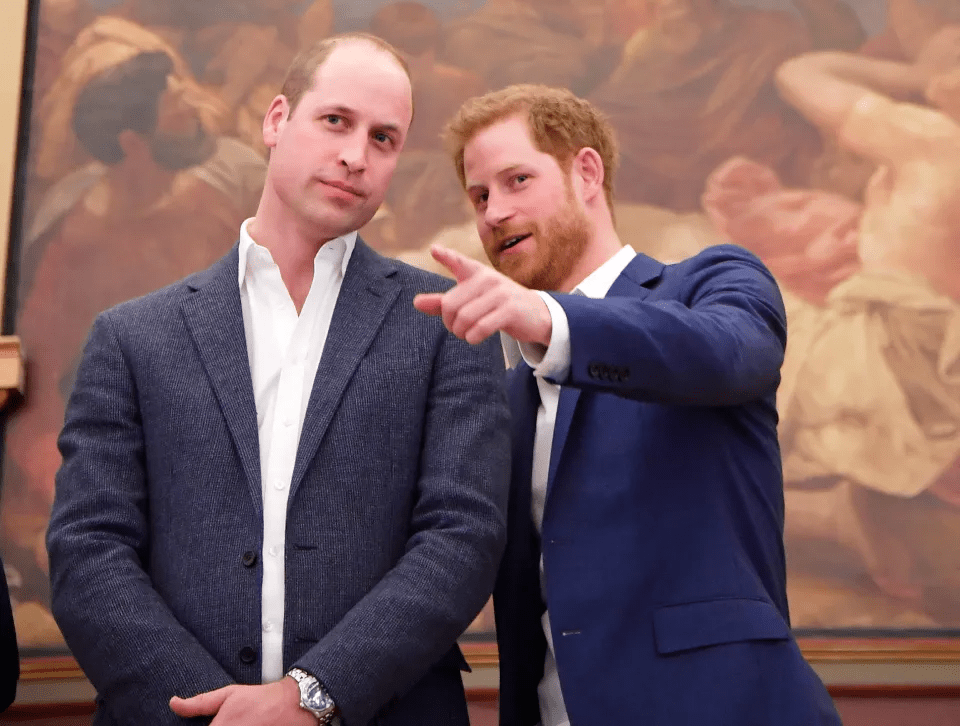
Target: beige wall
<point x="13" y="23"/>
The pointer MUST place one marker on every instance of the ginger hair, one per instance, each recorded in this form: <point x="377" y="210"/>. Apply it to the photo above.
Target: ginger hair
<point x="560" y="123"/>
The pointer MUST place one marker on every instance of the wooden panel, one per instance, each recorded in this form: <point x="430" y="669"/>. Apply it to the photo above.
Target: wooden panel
<point x="858" y="705"/>
<point x="13" y="27"/>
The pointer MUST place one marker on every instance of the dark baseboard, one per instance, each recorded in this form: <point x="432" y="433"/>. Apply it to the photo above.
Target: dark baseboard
<point x="25" y="713"/>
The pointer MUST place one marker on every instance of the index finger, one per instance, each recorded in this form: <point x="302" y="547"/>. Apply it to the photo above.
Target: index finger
<point x="460" y="265"/>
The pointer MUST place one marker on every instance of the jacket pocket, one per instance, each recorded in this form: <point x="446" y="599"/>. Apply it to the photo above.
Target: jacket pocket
<point x="712" y="622"/>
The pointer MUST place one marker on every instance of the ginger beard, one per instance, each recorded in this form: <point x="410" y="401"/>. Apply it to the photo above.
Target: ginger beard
<point x="559" y="241"/>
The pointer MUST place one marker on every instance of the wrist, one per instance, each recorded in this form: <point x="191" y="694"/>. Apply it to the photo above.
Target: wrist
<point x="313" y="696"/>
<point x="545" y="324"/>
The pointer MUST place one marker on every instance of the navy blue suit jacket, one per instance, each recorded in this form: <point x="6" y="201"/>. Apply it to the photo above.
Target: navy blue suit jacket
<point x="395" y="520"/>
<point x="662" y="531"/>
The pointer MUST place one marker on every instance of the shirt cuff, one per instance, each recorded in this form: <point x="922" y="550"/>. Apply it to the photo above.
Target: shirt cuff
<point x="553" y="361"/>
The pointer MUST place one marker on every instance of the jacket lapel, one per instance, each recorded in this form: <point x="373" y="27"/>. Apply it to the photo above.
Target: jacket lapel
<point x="632" y="282"/>
<point x="366" y="295"/>
<point x="215" y="320"/>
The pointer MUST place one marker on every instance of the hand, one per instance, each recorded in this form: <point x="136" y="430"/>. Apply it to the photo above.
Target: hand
<point x="272" y="704"/>
<point x="484" y="301"/>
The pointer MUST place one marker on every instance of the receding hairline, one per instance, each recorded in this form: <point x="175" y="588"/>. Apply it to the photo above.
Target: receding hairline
<point x="363" y="39"/>
<point x="335" y="42"/>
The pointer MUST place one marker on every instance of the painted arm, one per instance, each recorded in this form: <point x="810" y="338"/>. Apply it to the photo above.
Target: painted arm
<point x="826" y="87"/>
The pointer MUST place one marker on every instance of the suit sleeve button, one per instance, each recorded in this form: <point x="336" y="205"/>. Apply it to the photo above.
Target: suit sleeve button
<point x="248" y="655"/>
<point x="249" y="558"/>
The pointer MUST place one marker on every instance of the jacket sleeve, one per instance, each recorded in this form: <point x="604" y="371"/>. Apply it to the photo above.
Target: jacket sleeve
<point x="413" y="616"/>
<point x="125" y="638"/>
<point x="719" y="342"/>
<point x="9" y="653"/>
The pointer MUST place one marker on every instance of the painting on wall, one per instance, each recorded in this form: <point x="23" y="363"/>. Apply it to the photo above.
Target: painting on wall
<point x="824" y="135"/>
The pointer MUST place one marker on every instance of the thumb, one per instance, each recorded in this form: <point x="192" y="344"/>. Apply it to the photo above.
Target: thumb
<point x="428" y="303"/>
<point x="204" y="704"/>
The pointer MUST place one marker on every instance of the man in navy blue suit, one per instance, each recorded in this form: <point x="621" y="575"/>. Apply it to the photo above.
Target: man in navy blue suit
<point x="644" y="578"/>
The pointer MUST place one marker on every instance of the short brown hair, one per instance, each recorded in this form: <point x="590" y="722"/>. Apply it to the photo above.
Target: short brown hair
<point x="300" y="75"/>
<point x="560" y="123"/>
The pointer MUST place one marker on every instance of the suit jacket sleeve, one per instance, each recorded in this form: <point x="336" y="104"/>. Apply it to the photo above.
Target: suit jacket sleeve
<point x="9" y="653"/>
<point x="414" y="615"/>
<point x="719" y="341"/>
<point x="129" y="644"/>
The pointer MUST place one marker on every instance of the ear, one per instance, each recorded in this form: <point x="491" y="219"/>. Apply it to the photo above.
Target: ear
<point x="275" y="120"/>
<point x="588" y="171"/>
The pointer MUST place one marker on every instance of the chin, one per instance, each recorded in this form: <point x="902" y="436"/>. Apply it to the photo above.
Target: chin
<point x="338" y="220"/>
<point x="519" y="273"/>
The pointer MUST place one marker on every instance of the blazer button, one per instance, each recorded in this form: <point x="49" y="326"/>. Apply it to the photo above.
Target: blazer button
<point x="593" y="370"/>
<point x="249" y="558"/>
<point x="248" y="655"/>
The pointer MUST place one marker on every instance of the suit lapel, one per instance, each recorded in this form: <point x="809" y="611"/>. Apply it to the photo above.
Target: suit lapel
<point x="215" y="320"/>
<point x="366" y="295"/>
<point x="630" y="283"/>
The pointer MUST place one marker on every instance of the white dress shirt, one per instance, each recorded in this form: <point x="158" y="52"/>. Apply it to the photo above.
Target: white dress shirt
<point x="554" y="363"/>
<point x="284" y="350"/>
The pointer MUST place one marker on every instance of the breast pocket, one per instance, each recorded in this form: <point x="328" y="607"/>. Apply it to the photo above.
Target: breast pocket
<point x="693" y="625"/>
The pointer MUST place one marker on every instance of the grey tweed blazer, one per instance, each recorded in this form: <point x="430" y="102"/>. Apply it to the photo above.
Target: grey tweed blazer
<point x="395" y="523"/>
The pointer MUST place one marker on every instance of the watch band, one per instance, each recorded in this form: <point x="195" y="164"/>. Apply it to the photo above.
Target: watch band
<point x="314" y="697"/>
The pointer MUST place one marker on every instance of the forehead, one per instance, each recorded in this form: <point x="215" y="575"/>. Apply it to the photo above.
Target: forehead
<point x="369" y="81"/>
<point x="502" y="145"/>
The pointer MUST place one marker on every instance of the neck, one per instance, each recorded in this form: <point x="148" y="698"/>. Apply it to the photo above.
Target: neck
<point x="293" y="244"/>
<point x="604" y="244"/>
<point x="134" y="185"/>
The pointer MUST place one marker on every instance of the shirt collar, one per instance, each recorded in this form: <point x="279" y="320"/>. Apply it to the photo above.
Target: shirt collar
<point x="248" y="246"/>
<point x="598" y="283"/>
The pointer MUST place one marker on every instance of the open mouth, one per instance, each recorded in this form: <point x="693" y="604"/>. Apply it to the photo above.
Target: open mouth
<point x="513" y="241"/>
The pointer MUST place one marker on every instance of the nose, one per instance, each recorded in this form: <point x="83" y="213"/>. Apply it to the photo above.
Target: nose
<point x="497" y="211"/>
<point x="353" y="153"/>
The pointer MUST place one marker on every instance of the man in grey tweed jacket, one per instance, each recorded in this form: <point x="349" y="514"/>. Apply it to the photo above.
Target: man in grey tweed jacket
<point x="390" y="513"/>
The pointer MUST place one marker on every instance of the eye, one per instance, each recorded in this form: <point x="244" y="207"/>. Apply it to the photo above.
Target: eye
<point x="520" y="178"/>
<point x="382" y="138"/>
<point x="333" y="119"/>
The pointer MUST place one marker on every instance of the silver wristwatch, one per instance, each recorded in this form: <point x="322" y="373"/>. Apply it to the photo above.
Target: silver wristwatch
<point x="314" y="697"/>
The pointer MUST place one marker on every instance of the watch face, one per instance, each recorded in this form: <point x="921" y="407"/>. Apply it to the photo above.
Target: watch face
<point x="315" y="698"/>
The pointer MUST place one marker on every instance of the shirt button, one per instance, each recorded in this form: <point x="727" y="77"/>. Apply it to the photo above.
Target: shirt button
<point x="288" y="422"/>
<point x="274" y="551"/>
<point x="279" y="484"/>
<point x="267" y="626"/>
